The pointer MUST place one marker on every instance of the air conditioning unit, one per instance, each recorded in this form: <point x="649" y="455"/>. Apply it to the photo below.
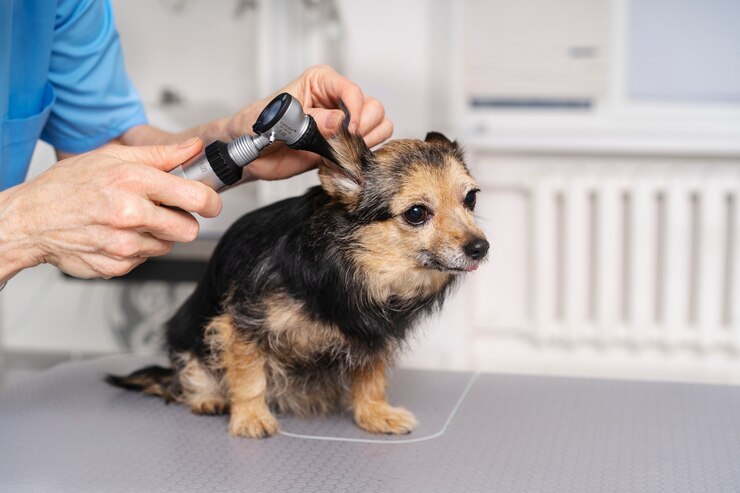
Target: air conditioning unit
<point x="535" y="53"/>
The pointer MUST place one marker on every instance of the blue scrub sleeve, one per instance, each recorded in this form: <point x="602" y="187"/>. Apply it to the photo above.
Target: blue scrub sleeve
<point x="95" y="100"/>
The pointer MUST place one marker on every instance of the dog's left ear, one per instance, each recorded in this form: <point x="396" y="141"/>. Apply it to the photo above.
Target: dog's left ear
<point x="344" y="179"/>
<point x="438" y="138"/>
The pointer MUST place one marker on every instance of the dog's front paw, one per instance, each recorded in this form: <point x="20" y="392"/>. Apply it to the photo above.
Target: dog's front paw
<point x="252" y="423"/>
<point x="382" y="418"/>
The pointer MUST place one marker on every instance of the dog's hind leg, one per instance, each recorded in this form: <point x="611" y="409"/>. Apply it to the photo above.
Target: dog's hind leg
<point x="371" y="409"/>
<point x="200" y="388"/>
<point x="243" y="366"/>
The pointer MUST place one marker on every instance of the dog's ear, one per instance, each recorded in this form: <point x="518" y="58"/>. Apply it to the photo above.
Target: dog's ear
<point x="343" y="179"/>
<point x="438" y="138"/>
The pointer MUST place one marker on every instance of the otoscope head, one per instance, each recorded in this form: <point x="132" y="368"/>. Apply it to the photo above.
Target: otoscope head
<point x="283" y="118"/>
<point x="220" y="164"/>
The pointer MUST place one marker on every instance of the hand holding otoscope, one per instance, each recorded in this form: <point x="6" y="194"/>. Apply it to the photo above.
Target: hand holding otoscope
<point x="220" y="164"/>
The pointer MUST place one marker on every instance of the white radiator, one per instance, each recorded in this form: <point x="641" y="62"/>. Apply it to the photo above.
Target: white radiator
<point x="607" y="252"/>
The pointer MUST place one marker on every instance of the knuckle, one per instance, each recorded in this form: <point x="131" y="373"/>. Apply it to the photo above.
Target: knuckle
<point x="193" y="231"/>
<point x="205" y="200"/>
<point x="376" y="107"/>
<point x="123" y="248"/>
<point x="202" y="200"/>
<point x="127" y="214"/>
<point x="165" y="248"/>
<point x="388" y="128"/>
<point x="189" y="231"/>
<point x="119" y="268"/>
<point x="321" y="67"/>
<point x="121" y="172"/>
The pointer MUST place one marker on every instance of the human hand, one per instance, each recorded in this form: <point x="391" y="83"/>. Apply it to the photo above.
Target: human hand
<point x="102" y="213"/>
<point x="319" y="90"/>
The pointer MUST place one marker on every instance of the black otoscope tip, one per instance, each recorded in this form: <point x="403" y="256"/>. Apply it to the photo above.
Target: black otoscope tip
<point x="313" y="141"/>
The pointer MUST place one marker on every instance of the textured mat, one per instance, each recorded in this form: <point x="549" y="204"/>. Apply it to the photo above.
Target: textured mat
<point x="66" y="430"/>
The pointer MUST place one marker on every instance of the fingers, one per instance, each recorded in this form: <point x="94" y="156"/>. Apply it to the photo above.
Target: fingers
<point x="328" y="121"/>
<point x="151" y="246"/>
<point x="375" y="127"/>
<point x="334" y="88"/>
<point x="373" y="114"/>
<point x="352" y="97"/>
<point x="379" y="134"/>
<point x="280" y="165"/>
<point x="169" y="224"/>
<point x="162" y="157"/>
<point x="132" y="245"/>
<point x="191" y="196"/>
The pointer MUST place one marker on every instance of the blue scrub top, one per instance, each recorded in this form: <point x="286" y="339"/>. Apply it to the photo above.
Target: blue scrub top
<point x="62" y="79"/>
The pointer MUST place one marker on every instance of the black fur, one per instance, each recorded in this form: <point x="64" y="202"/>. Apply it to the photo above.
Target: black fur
<point x="145" y="378"/>
<point x="305" y="248"/>
<point x="298" y="245"/>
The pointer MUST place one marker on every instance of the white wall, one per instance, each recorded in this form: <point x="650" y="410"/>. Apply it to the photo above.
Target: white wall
<point x="408" y="54"/>
<point x="387" y="52"/>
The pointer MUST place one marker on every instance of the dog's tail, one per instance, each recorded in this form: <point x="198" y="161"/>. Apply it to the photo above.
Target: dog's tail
<point x="152" y="380"/>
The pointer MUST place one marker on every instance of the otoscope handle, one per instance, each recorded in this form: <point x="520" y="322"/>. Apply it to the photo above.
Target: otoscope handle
<point x="213" y="166"/>
<point x="220" y="164"/>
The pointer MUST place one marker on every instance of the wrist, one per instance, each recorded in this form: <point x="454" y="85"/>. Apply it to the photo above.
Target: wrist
<point x="18" y="251"/>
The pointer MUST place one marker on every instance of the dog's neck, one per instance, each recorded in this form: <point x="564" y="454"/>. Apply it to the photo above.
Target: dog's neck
<point x="411" y="284"/>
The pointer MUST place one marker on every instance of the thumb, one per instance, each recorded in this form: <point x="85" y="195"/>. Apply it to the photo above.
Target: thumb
<point x="328" y="121"/>
<point x="162" y="157"/>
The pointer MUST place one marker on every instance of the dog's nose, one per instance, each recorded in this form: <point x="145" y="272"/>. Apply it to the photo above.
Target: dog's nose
<point x="476" y="249"/>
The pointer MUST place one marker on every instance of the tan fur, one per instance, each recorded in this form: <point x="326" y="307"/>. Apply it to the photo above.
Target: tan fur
<point x="201" y="389"/>
<point x="388" y="247"/>
<point x="149" y="387"/>
<point x="243" y="366"/>
<point x="292" y="331"/>
<point x="390" y="270"/>
<point x="371" y="409"/>
<point x="295" y="337"/>
<point x="343" y="182"/>
<point x="268" y="351"/>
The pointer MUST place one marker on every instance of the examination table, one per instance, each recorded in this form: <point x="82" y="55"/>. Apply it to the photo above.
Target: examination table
<point x="66" y="430"/>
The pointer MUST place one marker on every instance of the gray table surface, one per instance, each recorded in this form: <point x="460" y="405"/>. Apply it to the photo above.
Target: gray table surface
<point x="66" y="430"/>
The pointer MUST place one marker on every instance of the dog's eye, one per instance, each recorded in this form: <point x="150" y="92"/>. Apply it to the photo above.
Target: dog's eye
<point x="416" y="215"/>
<point x="470" y="199"/>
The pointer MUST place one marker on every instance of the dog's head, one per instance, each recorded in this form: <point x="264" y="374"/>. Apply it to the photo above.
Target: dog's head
<point x="413" y="205"/>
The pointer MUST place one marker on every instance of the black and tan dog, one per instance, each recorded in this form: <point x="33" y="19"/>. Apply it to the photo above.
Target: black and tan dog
<point x="306" y="302"/>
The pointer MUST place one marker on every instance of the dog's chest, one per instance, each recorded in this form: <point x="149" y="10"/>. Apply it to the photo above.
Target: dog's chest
<point x="292" y="334"/>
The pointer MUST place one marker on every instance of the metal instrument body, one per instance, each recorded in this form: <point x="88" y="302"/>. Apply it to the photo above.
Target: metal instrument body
<point x="220" y="164"/>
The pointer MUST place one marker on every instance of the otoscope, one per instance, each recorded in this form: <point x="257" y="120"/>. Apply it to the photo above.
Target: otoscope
<point x="220" y="164"/>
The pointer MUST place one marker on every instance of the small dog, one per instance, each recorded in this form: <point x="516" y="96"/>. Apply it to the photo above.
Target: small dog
<point x="306" y="302"/>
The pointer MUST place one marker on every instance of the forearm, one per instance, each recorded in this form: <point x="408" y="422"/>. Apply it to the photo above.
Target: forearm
<point x="144" y="135"/>
<point x="225" y="129"/>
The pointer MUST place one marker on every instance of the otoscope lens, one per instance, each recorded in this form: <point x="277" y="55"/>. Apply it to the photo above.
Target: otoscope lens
<point x="272" y="113"/>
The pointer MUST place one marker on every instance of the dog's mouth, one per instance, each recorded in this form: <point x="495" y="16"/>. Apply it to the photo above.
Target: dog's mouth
<point x="429" y="261"/>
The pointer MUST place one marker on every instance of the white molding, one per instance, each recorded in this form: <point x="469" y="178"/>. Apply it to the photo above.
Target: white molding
<point x="615" y="125"/>
<point x="603" y="135"/>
